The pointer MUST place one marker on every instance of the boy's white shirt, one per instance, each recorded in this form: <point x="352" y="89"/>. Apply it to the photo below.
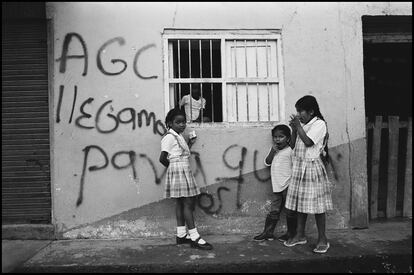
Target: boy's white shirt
<point x="196" y="106"/>
<point x="281" y="169"/>
<point x="315" y="129"/>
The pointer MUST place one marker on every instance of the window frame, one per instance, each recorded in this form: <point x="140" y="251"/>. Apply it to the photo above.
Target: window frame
<point x="224" y="35"/>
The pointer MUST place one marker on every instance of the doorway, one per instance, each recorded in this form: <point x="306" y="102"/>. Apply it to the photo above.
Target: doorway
<point x="387" y="53"/>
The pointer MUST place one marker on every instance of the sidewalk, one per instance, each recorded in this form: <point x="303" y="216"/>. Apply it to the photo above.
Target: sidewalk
<point x="384" y="247"/>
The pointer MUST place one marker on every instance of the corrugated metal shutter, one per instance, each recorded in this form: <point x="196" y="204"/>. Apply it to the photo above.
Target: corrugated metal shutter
<point x="26" y="196"/>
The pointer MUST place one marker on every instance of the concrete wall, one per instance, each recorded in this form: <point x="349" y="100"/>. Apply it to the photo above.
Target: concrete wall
<point x="94" y="197"/>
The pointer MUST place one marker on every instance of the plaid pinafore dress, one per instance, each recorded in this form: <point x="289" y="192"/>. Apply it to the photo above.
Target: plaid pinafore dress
<point x="180" y="181"/>
<point x="310" y="189"/>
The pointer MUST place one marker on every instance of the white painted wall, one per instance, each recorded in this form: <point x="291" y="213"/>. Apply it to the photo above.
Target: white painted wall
<point x="322" y="52"/>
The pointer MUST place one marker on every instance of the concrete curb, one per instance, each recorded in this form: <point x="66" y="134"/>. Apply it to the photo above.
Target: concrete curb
<point x="28" y="232"/>
<point x="361" y="264"/>
<point x="384" y="247"/>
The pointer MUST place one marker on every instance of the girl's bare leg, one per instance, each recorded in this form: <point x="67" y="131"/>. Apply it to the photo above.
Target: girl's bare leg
<point x="320" y="223"/>
<point x="300" y="232"/>
<point x="179" y="212"/>
<point x="188" y="206"/>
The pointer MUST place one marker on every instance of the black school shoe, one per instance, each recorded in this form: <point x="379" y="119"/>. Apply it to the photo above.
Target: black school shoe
<point x="205" y="246"/>
<point x="183" y="240"/>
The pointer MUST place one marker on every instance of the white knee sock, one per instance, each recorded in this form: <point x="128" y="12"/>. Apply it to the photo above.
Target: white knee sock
<point x="194" y="235"/>
<point x="181" y="231"/>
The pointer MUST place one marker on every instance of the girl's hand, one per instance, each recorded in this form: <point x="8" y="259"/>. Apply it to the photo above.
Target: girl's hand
<point x="294" y="122"/>
<point x="191" y="141"/>
<point x="274" y="147"/>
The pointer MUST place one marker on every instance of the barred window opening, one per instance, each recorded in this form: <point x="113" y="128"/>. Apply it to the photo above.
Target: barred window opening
<point x="225" y="80"/>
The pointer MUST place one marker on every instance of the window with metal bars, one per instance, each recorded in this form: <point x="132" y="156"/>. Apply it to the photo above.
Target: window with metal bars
<point x="224" y="76"/>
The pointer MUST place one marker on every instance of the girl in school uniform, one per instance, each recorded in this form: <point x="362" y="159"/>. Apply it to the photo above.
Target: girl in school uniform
<point x="180" y="183"/>
<point x="310" y="190"/>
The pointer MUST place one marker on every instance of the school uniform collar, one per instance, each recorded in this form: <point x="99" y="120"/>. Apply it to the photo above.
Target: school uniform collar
<point x="311" y="121"/>
<point x="173" y="132"/>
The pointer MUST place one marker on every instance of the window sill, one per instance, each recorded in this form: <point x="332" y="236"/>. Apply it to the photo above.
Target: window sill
<point x="232" y="125"/>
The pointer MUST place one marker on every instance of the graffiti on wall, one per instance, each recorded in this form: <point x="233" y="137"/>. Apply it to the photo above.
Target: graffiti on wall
<point x="82" y="118"/>
<point x="131" y="156"/>
<point x="87" y="120"/>
<point x="104" y="115"/>
<point x="73" y="36"/>
<point x="131" y="164"/>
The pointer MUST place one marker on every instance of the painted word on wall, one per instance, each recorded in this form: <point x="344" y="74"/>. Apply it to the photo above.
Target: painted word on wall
<point x="88" y="121"/>
<point x="120" y="40"/>
<point x="207" y="208"/>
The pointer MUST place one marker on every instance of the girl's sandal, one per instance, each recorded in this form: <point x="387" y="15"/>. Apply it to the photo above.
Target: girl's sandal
<point x="295" y="243"/>
<point x="321" y="248"/>
<point x="283" y="238"/>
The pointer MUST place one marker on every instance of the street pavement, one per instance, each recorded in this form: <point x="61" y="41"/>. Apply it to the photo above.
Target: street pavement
<point x="386" y="246"/>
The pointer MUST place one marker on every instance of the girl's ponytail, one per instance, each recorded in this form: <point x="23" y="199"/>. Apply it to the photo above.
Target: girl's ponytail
<point x="324" y="156"/>
<point x="309" y="103"/>
<point x="318" y="114"/>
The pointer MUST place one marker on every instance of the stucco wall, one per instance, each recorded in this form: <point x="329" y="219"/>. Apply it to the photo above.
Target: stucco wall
<point x="322" y="55"/>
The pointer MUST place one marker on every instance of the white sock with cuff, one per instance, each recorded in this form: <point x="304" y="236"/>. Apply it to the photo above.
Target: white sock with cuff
<point x="181" y="231"/>
<point x="194" y="236"/>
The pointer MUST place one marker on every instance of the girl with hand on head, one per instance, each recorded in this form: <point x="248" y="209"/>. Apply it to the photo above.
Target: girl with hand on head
<point x="310" y="190"/>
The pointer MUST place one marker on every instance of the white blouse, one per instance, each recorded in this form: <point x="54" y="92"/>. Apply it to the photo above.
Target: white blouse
<point x="170" y="145"/>
<point x="316" y="130"/>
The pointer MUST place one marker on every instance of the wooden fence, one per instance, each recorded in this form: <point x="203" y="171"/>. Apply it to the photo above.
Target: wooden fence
<point x="393" y="172"/>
